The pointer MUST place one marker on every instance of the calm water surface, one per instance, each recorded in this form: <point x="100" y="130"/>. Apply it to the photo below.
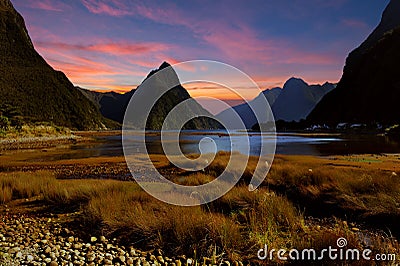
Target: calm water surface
<point x="286" y="143"/>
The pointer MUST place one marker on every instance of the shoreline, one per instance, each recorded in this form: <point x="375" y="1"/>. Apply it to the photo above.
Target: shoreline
<point x="40" y="142"/>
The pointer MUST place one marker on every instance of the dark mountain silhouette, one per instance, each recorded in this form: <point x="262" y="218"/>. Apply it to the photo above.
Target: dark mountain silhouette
<point x="244" y="110"/>
<point x="292" y="103"/>
<point x="113" y="105"/>
<point x="33" y="88"/>
<point x="298" y="99"/>
<point x="369" y="90"/>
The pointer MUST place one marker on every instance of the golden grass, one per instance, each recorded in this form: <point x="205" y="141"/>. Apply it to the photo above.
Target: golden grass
<point x="234" y="226"/>
<point x="371" y="190"/>
<point x="23" y="185"/>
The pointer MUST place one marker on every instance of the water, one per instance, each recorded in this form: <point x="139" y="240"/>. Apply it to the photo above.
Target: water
<point x="286" y="143"/>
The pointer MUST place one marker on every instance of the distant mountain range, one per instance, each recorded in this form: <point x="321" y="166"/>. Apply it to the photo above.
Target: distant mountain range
<point x="293" y="102"/>
<point x="369" y="90"/>
<point x="33" y="89"/>
<point x="113" y="105"/>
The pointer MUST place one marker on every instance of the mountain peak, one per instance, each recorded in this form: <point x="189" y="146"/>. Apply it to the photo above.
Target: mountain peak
<point x="165" y="64"/>
<point x="294" y="83"/>
<point x="390" y="17"/>
<point x="12" y="26"/>
<point x="370" y="67"/>
<point x="34" y="88"/>
<point x="390" y="20"/>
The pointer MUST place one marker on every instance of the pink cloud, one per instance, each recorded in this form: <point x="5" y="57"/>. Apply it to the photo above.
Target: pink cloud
<point x="111" y="7"/>
<point x="104" y="64"/>
<point x="48" y="5"/>
<point x="354" y="23"/>
<point x="113" y="48"/>
<point x="236" y="41"/>
<point x="228" y="40"/>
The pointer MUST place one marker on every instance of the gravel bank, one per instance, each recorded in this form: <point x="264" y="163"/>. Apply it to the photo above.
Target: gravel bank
<point x="38" y="142"/>
<point x="26" y="240"/>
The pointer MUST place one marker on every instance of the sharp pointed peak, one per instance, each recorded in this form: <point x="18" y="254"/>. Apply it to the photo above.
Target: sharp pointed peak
<point x="164" y="64"/>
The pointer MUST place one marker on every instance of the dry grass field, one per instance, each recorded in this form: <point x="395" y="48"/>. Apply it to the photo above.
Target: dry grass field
<point x="304" y="202"/>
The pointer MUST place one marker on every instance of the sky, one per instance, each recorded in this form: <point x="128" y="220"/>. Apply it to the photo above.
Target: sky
<point x="113" y="44"/>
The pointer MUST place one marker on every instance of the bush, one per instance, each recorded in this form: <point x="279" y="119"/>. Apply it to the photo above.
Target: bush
<point x="4" y="123"/>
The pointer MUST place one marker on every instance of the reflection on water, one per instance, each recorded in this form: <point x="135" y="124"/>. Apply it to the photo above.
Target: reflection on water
<point x="286" y="143"/>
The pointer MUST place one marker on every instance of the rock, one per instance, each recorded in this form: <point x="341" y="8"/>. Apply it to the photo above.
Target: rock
<point x="53" y="263"/>
<point x="108" y="262"/>
<point x="29" y="258"/>
<point x="70" y="239"/>
<point x="47" y="260"/>
<point x="47" y="250"/>
<point x="160" y="259"/>
<point x="18" y="255"/>
<point x="129" y="261"/>
<point x="132" y="252"/>
<point x="93" y="239"/>
<point x="14" y="250"/>
<point x="77" y="246"/>
<point x="103" y="239"/>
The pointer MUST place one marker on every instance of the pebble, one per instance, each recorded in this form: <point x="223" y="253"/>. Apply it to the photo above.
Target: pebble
<point x="45" y="243"/>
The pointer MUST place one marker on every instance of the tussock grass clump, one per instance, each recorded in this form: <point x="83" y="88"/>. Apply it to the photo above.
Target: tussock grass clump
<point x="370" y="191"/>
<point x="21" y="185"/>
<point x="138" y="218"/>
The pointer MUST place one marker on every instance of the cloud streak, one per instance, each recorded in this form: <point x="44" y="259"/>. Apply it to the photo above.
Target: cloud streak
<point x="47" y="5"/>
<point x="117" y="42"/>
<point x="111" y="7"/>
<point x="112" y="48"/>
<point x="235" y="40"/>
<point x="354" y="23"/>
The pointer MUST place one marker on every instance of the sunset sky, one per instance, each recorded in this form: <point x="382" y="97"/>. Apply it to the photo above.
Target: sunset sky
<point x="113" y="44"/>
